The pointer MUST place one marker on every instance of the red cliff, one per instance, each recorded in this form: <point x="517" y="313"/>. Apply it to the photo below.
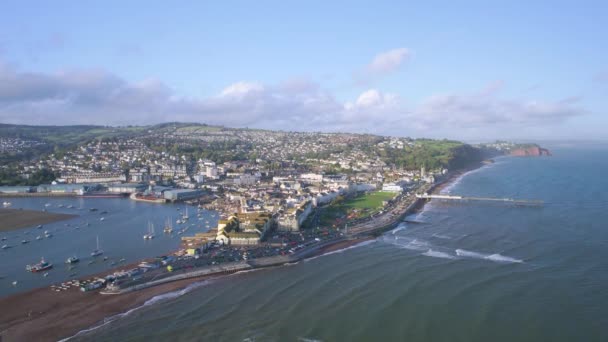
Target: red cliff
<point x="533" y="151"/>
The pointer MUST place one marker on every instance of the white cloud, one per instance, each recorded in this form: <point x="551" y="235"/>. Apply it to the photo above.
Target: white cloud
<point x="388" y="61"/>
<point x="99" y="97"/>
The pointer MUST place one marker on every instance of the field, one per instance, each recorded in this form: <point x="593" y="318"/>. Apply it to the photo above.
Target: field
<point x="358" y="207"/>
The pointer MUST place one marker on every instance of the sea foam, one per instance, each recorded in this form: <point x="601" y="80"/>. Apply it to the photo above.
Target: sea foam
<point x="493" y="257"/>
<point x="437" y="254"/>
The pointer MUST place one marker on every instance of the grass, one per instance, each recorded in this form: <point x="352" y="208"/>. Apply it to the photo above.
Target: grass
<point x="354" y="208"/>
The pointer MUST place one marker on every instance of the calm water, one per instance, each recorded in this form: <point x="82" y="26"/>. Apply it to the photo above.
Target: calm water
<point x="472" y="272"/>
<point x="120" y="236"/>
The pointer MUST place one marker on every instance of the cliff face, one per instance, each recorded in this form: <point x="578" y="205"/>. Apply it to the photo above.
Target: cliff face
<point x="533" y="151"/>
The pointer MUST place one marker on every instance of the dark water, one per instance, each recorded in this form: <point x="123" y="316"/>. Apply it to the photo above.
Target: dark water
<point x="473" y="272"/>
<point x="120" y="236"/>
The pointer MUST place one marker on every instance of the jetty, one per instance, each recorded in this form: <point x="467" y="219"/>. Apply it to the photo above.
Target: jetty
<point x="486" y="199"/>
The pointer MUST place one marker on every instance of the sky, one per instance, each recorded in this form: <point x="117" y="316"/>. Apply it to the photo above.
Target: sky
<point x="470" y="70"/>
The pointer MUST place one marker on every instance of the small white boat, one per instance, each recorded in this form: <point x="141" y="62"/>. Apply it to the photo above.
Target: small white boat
<point x="6" y="204"/>
<point x="47" y="205"/>
<point x="15" y="283"/>
<point x="39" y="226"/>
<point x="38" y="237"/>
<point x="6" y="246"/>
<point x="46" y="274"/>
<point x="101" y="219"/>
<point x="98" y="251"/>
<point x="24" y="242"/>
<point x="72" y="260"/>
<point x="150" y="234"/>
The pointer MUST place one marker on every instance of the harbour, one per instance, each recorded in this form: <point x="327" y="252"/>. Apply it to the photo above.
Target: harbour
<point x="118" y="222"/>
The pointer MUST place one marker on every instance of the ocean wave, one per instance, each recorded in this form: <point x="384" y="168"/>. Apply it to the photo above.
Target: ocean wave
<point x="503" y="258"/>
<point x="151" y="301"/>
<point x="400" y="227"/>
<point x="360" y="244"/>
<point x="438" y="254"/>
<point x="493" y="257"/>
<point x="455" y="182"/>
<point x="305" y="339"/>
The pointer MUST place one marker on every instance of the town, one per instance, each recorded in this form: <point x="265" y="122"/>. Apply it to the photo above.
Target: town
<point x="280" y="196"/>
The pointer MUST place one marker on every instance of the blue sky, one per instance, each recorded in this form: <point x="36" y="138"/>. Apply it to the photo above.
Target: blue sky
<point x="467" y="70"/>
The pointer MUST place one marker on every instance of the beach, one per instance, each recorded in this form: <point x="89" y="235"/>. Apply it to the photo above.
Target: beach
<point x="44" y="315"/>
<point x="12" y="219"/>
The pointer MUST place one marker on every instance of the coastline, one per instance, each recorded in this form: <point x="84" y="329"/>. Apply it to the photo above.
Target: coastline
<point x="13" y="219"/>
<point x="43" y="315"/>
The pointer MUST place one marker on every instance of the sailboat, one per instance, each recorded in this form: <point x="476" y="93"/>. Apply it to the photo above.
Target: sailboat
<point x="150" y="234"/>
<point x="185" y="216"/>
<point x="168" y="226"/>
<point x="98" y="251"/>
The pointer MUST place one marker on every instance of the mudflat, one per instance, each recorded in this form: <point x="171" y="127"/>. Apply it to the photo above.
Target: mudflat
<point x="11" y="219"/>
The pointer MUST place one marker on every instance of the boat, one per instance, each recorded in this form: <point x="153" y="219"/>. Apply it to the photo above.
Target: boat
<point x="178" y="221"/>
<point x="72" y="260"/>
<point x="98" y="251"/>
<point x="39" y="237"/>
<point x="48" y="235"/>
<point x="24" y="242"/>
<point x="150" y="234"/>
<point x="168" y="227"/>
<point x="6" y="246"/>
<point x="41" y="266"/>
<point x="39" y="226"/>
<point x="70" y="206"/>
<point x="185" y="217"/>
<point x="47" y="205"/>
<point x="101" y="219"/>
<point x="6" y="204"/>
<point x="46" y="274"/>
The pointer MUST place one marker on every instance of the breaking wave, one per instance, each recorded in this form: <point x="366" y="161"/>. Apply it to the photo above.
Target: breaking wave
<point x="151" y="301"/>
<point x="493" y="257"/>
<point x="360" y="244"/>
<point x="438" y="254"/>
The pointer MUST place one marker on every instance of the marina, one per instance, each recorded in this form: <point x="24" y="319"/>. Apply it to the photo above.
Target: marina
<point x="120" y="239"/>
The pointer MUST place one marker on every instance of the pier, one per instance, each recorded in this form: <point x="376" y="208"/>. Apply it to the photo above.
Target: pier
<point x="486" y="199"/>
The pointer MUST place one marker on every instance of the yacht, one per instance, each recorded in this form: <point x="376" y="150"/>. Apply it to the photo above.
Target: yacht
<point x="98" y="251"/>
<point x="168" y="227"/>
<point x="150" y="234"/>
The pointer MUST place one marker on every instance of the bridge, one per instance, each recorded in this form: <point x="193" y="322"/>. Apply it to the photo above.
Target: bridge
<point x="487" y="199"/>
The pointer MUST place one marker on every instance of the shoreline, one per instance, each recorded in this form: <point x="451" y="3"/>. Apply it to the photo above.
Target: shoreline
<point x="14" y="219"/>
<point x="43" y="315"/>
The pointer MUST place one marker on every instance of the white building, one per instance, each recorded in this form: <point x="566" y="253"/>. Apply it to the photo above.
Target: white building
<point x="391" y="187"/>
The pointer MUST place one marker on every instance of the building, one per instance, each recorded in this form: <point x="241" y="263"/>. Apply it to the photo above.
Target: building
<point x="292" y="218"/>
<point x="16" y="189"/>
<point x="181" y="194"/>
<point x="199" y="178"/>
<point x="391" y="187"/>
<point x="126" y="188"/>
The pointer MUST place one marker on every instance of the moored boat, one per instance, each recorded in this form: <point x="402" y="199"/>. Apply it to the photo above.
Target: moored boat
<point x="72" y="260"/>
<point x="41" y="266"/>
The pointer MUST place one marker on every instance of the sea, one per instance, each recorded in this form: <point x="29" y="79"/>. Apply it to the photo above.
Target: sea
<point x="459" y="271"/>
<point x="118" y="223"/>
